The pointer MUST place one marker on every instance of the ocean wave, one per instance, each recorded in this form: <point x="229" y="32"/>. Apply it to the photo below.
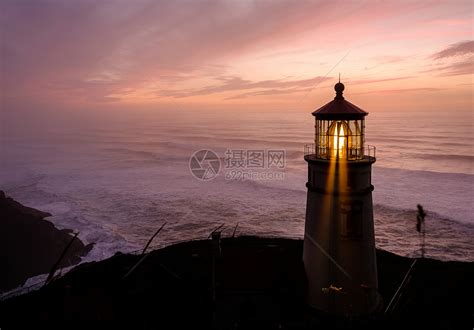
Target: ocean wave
<point x="443" y="156"/>
<point x="152" y="156"/>
<point x="124" y="220"/>
<point x="423" y="174"/>
<point x="446" y="239"/>
<point x="438" y="218"/>
<point x="416" y="141"/>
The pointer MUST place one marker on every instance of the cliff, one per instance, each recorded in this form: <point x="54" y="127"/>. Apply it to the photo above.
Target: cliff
<point x="31" y="245"/>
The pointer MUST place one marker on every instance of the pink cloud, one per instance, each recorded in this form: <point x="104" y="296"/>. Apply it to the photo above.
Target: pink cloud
<point x="371" y="81"/>
<point x="401" y="90"/>
<point x="389" y="59"/>
<point x="230" y="84"/>
<point x="270" y="92"/>
<point x="93" y="51"/>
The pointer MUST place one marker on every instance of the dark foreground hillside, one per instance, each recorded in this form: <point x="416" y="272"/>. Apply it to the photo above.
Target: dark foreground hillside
<point x="260" y="283"/>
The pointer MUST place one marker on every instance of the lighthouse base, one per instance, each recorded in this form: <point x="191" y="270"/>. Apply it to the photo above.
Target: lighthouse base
<point x="339" y="243"/>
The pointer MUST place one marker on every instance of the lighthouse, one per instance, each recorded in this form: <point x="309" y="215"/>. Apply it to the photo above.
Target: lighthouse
<point x="339" y="244"/>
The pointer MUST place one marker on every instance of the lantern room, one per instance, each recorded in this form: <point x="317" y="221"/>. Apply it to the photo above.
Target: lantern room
<point x="339" y="129"/>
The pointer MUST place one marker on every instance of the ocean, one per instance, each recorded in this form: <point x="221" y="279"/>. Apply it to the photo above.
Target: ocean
<point x="117" y="179"/>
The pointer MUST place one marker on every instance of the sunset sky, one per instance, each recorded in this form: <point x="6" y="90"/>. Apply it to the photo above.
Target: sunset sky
<point x="86" y="55"/>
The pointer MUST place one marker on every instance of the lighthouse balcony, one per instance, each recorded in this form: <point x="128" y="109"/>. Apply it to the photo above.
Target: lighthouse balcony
<point x="313" y="152"/>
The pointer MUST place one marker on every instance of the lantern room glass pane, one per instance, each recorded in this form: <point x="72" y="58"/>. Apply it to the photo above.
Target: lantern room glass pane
<point x="341" y="139"/>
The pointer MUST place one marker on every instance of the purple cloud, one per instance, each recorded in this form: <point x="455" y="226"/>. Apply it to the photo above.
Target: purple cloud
<point x="454" y="69"/>
<point x="458" y="49"/>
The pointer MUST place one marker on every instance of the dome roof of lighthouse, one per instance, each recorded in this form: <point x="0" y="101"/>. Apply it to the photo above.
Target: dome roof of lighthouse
<point x="339" y="108"/>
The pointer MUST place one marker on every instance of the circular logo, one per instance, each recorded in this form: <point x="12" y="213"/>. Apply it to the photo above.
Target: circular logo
<point x="204" y="164"/>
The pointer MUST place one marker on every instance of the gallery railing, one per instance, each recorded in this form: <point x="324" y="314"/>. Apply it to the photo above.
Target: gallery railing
<point x="319" y="152"/>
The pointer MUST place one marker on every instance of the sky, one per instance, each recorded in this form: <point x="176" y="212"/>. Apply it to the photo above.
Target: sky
<point x="66" y="56"/>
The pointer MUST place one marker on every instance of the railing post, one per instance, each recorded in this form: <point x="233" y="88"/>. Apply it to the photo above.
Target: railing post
<point x="309" y="149"/>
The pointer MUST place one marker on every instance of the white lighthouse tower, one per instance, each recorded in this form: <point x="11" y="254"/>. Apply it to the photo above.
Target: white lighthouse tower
<point x="339" y="244"/>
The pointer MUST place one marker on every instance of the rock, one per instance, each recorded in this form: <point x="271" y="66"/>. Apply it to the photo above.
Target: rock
<point x="31" y="245"/>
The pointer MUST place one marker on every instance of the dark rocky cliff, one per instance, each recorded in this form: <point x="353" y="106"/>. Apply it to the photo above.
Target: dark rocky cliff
<point x="31" y="245"/>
